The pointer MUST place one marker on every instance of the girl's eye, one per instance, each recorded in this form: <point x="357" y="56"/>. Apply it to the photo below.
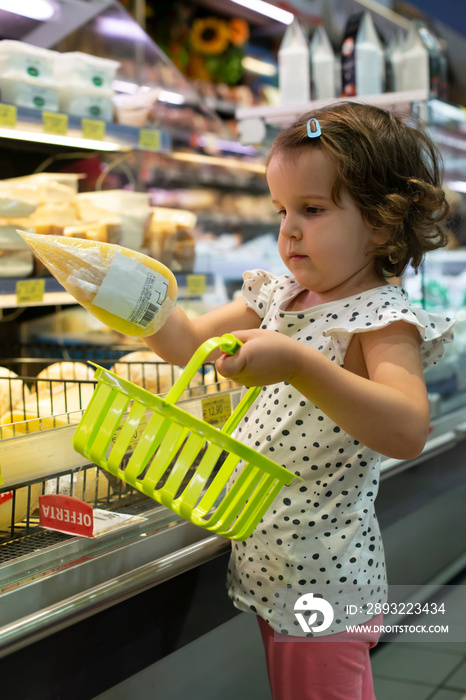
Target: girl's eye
<point x="313" y="210"/>
<point x="282" y="213"/>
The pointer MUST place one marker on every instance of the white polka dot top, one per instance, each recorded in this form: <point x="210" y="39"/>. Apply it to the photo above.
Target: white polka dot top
<point x="322" y="530"/>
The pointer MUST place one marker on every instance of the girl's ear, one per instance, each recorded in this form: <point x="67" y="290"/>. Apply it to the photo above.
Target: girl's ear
<point x="379" y="236"/>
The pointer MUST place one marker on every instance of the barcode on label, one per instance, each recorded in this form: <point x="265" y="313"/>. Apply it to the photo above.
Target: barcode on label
<point x="151" y="311"/>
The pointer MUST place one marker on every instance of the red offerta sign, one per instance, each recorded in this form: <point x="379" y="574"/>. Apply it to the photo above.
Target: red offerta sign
<point x="66" y="514"/>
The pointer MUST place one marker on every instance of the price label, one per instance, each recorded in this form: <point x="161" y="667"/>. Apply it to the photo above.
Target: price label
<point x="93" y="129"/>
<point x="54" y="123"/>
<point x="216" y="409"/>
<point x="149" y="139"/>
<point x="28" y="291"/>
<point x="135" y="437"/>
<point x="8" y="115"/>
<point x="196" y="284"/>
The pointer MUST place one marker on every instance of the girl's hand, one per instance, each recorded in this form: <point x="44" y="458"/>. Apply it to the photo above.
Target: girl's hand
<point x="264" y="358"/>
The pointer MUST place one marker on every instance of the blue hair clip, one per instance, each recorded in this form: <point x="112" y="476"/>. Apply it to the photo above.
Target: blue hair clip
<point x="313" y="128"/>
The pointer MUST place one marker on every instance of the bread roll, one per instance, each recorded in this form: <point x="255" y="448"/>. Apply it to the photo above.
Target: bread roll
<point x="62" y="370"/>
<point x="126" y="290"/>
<point x="33" y="412"/>
<point x="148" y="370"/>
<point x="13" y="391"/>
<point x="74" y="398"/>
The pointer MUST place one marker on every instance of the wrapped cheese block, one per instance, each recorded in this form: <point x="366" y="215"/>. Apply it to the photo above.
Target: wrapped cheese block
<point x="21" y="498"/>
<point x="20" y="422"/>
<point x="125" y="289"/>
<point x="88" y="484"/>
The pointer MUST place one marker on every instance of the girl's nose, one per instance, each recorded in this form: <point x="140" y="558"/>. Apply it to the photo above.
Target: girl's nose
<point x="289" y="228"/>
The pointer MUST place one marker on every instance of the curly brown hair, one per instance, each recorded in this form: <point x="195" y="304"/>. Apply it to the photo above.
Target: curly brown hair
<point x="391" y="169"/>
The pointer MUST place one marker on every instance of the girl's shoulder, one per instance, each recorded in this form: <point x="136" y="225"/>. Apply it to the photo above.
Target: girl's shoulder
<point x="261" y="289"/>
<point x="384" y="305"/>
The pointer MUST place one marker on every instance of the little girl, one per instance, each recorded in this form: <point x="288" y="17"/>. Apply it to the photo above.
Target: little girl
<point x="340" y="354"/>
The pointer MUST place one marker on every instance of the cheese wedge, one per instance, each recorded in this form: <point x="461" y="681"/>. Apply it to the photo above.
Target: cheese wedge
<point x="89" y="484"/>
<point x="125" y="289"/>
<point x="15" y="423"/>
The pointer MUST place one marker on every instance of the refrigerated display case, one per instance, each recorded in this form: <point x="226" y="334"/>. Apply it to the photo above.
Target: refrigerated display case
<point x="155" y="572"/>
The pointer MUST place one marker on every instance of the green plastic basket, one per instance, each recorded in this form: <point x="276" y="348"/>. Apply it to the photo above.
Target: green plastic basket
<point x="177" y="459"/>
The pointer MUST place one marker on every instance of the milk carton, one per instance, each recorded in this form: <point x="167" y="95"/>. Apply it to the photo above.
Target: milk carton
<point x="423" y="64"/>
<point x="415" y="62"/>
<point x="393" y="59"/>
<point x="294" y="79"/>
<point x="322" y="59"/>
<point x="362" y="57"/>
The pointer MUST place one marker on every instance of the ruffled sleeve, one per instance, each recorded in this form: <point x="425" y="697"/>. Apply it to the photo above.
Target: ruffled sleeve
<point x="434" y="330"/>
<point x="257" y="290"/>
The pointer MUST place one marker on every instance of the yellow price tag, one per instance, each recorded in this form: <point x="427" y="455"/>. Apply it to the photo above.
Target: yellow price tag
<point x="8" y="115"/>
<point x="216" y="409"/>
<point x="196" y="284"/>
<point x="93" y="129"/>
<point x="149" y="139"/>
<point x="135" y="437"/>
<point x="55" y="123"/>
<point x="28" y="291"/>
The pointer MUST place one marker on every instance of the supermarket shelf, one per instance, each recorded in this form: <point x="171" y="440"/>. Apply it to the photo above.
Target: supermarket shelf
<point x="283" y="113"/>
<point x="189" y="286"/>
<point x="68" y="131"/>
<point x="29" y="125"/>
<point x="53" y="295"/>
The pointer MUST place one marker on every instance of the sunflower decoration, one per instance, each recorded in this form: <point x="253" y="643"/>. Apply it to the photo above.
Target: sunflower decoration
<point x="217" y="51"/>
<point x="210" y="35"/>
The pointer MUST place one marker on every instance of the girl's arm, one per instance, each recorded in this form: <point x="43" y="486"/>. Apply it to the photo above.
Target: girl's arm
<point x="180" y="336"/>
<point x="381" y="402"/>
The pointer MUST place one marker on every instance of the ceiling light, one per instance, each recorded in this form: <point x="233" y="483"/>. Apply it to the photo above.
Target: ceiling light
<point x="265" y="8"/>
<point x="122" y="28"/>
<point x="457" y="185"/>
<point x="41" y="10"/>
<point x="58" y="140"/>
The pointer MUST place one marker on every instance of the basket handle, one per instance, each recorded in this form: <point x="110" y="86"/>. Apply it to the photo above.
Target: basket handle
<point x="226" y="343"/>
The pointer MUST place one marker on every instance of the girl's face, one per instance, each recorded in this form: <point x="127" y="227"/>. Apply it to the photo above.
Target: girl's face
<point x="327" y="247"/>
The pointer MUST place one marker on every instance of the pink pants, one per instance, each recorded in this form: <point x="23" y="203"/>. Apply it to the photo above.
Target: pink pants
<point x="312" y="670"/>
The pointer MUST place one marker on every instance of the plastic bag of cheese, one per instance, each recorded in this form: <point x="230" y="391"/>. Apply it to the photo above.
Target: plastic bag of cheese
<point x="126" y="290"/>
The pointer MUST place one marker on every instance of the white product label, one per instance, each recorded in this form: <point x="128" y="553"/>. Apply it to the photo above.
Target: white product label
<point x="132" y="291"/>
